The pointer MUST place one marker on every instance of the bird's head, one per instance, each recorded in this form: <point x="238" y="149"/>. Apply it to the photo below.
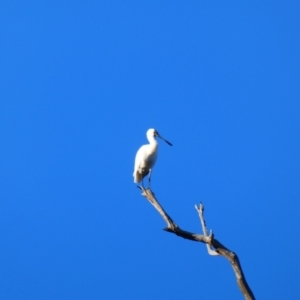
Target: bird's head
<point x="154" y="133"/>
<point x="151" y="132"/>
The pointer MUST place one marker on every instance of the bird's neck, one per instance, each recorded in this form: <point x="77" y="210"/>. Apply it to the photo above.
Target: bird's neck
<point x="153" y="141"/>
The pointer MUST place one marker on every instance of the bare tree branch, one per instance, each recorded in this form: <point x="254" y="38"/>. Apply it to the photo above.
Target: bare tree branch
<point x="209" y="240"/>
<point x="200" y="210"/>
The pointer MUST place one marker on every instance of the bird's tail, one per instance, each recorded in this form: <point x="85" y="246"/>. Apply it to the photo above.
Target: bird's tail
<point x="137" y="176"/>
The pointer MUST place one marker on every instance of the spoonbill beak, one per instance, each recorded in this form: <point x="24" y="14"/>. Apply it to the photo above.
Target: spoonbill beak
<point x="158" y="135"/>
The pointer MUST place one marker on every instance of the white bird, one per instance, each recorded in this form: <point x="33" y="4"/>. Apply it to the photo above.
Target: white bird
<point x="146" y="157"/>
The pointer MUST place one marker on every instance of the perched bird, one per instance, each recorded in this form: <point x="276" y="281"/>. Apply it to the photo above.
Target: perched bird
<point x="146" y="157"/>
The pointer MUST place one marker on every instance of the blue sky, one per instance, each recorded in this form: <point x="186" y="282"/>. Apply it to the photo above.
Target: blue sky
<point x="82" y="81"/>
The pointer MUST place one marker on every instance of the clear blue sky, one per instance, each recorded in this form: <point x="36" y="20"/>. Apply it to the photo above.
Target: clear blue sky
<point x="82" y="81"/>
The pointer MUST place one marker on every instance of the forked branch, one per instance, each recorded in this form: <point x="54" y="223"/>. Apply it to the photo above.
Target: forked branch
<point x="214" y="247"/>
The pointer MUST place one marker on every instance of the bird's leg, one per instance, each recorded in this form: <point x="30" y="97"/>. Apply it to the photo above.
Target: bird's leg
<point x="142" y="178"/>
<point x="143" y="182"/>
<point x="149" y="178"/>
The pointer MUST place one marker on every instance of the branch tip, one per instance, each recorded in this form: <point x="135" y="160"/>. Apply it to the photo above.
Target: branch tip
<point x="201" y="207"/>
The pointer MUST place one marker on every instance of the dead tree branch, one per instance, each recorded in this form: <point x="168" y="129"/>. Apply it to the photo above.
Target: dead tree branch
<point x="214" y="247"/>
<point x="200" y="210"/>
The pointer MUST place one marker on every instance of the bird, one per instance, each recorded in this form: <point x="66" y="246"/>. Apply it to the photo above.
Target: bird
<point x="146" y="157"/>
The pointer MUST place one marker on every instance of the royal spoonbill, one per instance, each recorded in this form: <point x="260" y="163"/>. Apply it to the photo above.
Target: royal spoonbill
<point x="146" y="157"/>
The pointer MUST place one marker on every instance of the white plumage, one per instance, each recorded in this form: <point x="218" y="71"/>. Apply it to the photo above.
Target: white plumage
<point x="146" y="156"/>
